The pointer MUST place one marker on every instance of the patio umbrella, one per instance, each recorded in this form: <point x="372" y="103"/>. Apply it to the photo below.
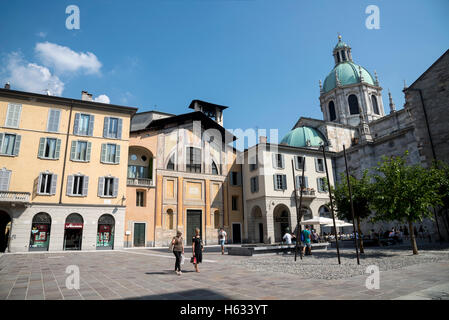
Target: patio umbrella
<point x="338" y="224"/>
<point x="317" y="220"/>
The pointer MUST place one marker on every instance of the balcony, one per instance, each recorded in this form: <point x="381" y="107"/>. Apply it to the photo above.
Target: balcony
<point x="306" y="193"/>
<point x="139" y="182"/>
<point x="14" y="197"/>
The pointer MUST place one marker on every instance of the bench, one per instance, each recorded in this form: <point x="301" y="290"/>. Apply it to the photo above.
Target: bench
<point x="249" y="250"/>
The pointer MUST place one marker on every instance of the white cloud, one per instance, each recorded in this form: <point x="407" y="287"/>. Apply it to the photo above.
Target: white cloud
<point x="63" y="59"/>
<point x="31" y="76"/>
<point x="102" y="98"/>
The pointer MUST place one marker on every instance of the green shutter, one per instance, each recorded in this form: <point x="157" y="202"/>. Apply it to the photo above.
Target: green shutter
<point x="103" y="152"/>
<point x="58" y="148"/>
<point x="39" y="182"/>
<point x="115" y="191"/>
<point x="76" y="124"/>
<point x="85" y="185"/>
<point x="101" y="186"/>
<point x="106" y="126"/>
<point x="91" y="125"/>
<point x="73" y="151"/>
<point x="69" y="185"/>
<point x="54" y="181"/>
<point x="88" y="151"/>
<point x="117" y="153"/>
<point x="119" y="128"/>
<point x="17" y="145"/>
<point x="40" y="153"/>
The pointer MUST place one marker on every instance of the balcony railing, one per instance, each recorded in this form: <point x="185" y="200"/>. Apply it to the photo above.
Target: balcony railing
<point x="139" y="182"/>
<point x="17" y="197"/>
<point x="306" y="192"/>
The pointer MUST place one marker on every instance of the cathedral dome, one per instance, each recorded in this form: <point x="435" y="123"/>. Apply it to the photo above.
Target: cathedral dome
<point x="303" y="137"/>
<point x="347" y="73"/>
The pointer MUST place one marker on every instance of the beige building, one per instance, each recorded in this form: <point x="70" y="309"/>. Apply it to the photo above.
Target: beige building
<point x="62" y="178"/>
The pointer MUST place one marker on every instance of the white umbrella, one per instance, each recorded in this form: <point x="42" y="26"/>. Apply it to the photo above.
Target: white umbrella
<point x="339" y="223"/>
<point x="317" y="220"/>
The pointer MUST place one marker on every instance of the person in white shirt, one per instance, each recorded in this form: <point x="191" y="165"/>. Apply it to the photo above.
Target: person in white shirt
<point x="287" y="238"/>
<point x="222" y="239"/>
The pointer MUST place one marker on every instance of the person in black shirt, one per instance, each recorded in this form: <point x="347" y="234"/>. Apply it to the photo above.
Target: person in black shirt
<point x="197" y="248"/>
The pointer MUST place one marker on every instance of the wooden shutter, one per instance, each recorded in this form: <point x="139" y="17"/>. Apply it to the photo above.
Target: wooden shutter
<point x="17" y="145"/>
<point x="85" y="185"/>
<point x="39" y="182"/>
<point x="115" y="191"/>
<point x="76" y="124"/>
<point x="298" y="182"/>
<point x="40" y="153"/>
<point x="91" y="124"/>
<point x="88" y="151"/>
<point x="54" y="181"/>
<point x="5" y="176"/>
<point x="274" y="160"/>
<point x="101" y="186"/>
<point x="117" y="153"/>
<point x="1" y="140"/>
<point x="257" y="183"/>
<point x="13" y="115"/>
<point x="274" y="182"/>
<point x="73" y="151"/>
<point x="282" y="161"/>
<point x="58" y="148"/>
<point x="70" y="185"/>
<point x="103" y="153"/>
<point x="239" y="178"/>
<point x="106" y="127"/>
<point x="316" y="165"/>
<point x="119" y="128"/>
<point x="284" y="182"/>
<point x="53" y="120"/>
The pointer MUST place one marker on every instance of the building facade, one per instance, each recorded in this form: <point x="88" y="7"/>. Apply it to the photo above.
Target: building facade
<point x="62" y="178"/>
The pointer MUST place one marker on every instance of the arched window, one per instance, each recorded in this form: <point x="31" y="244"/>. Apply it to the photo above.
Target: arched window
<point x="324" y="212"/>
<point x="332" y="114"/>
<point x="214" y="168"/>
<point x="343" y="55"/>
<point x="170" y="219"/>
<point x="353" y="104"/>
<point x="171" y="163"/>
<point x="217" y="219"/>
<point x="375" y="106"/>
<point x="306" y="214"/>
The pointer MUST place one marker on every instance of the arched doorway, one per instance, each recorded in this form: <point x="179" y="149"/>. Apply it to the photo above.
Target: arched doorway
<point x="281" y="222"/>
<point x="73" y="233"/>
<point x="258" y="224"/>
<point x="40" y="232"/>
<point x="105" y="234"/>
<point x="5" y="230"/>
<point x="325" y="212"/>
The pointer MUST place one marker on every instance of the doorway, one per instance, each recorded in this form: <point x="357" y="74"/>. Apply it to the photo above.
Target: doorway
<point x="236" y="233"/>
<point x="105" y="234"/>
<point x="5" y="230"/>
<point x="193" y="222"/>
<point x="261" y="232"/>
<point x="139" y="235"/>
<point x="40" y="232"/>
<point x="73" y="234"/>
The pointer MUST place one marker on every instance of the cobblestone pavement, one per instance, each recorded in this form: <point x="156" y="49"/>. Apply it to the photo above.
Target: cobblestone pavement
<point x="148" y="274"/>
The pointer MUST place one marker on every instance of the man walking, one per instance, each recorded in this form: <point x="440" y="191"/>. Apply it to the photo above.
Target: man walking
<point x="222" y="239"/>
<point x="307" y="241"/>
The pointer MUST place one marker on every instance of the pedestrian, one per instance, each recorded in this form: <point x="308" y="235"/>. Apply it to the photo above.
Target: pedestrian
<point x="197" y="249"/>
<point x="287" y="237"/>
<point x="314" y="236"/>
<point x="222" y="239"/>
<point x="178" y="251"/>
<point x="307" y="241"/>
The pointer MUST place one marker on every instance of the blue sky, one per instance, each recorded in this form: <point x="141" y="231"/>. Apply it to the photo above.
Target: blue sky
<point x="261" y="58"/>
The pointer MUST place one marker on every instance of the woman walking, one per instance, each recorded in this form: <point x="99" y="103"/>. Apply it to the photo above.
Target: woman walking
<point x="197" y="249"/>
<point x="178" y="250"/>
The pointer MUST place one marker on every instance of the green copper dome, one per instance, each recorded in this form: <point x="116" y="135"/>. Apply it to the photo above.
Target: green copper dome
<point x="348" y="73"/>
<point x="303" y="137"/>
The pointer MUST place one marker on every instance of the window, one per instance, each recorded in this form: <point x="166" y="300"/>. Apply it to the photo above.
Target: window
<point x="235" y="200"/>
<point x="49" y="148"/>
<point x="84" y="124"/>
<point x="46" y="184"/>
<point x="235" y="178"/>
<point x="171" y="163"/>
<point x="343" y="55"/>
<point x="278" y="161"/>
<point x="321" y="184"/>
<point x="254" y="184"/>
<point x="304" y="183"/>
<point x="324" y="212"/>
<point x="332" y="114"/>
<point x="110" y="153"/>
<point x="319" y="165"/>
<point x="9" y="144"/>
<point x="353" y="104"/>
<point x="214" y="168"/>
<point x="108" y="187"/>
<point x="193" y="159"/>
<point x="13" y="115"/>
<point x="217" y="219"/>
<point x="140" y="198"/>
<point x="253" y="164"/>
<point x="280" y="182"/>
<point x="80" y="151"/>
<point x="112" y="128"/>
<point x="5" y="176"/>
<point x="300" y="162"/>
<point x="375" y="106"/>
<point x="137" y="172"/>
<point x="170" y="219"/>
<point x="53" y="120"/>
<point x="77" y="185"/>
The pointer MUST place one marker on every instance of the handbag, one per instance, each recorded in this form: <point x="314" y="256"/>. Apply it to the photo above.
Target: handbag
<point x="193" y="260"/>
<point x="183" y="258"/>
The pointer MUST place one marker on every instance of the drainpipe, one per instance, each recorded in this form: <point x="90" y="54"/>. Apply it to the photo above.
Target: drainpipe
<point x="65" y="153"/>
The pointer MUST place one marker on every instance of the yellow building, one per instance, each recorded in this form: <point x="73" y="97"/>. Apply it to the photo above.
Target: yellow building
<point x="62" y="172"/>
<point x="189" y="178"/>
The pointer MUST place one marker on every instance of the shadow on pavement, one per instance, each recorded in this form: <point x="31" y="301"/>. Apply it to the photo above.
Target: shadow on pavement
<point x="195" y="294"/>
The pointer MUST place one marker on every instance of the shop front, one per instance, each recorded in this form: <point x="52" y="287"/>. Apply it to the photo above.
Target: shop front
<point x="73" y="233"/>
<point x="105" y="234"/>
<point x="40" y="232"/>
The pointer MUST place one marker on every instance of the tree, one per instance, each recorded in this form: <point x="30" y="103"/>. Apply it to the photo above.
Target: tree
<point x="404" y="193"/>
<point x="361" y="193"/>
<point x="441" y="170"/>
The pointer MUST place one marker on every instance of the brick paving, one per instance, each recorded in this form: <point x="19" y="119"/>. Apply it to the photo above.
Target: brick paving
<point x="148" y="274"/>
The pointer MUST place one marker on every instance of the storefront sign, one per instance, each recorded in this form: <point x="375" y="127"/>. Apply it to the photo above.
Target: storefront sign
<point x="73" y="225"/>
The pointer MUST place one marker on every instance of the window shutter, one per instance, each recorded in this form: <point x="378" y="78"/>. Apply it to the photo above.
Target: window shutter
<point x="274" y="160"/>
<point x="117" y="154"/>
<point x="239" y="178"/>
<point x="91" y="125"/>
<point x="17" y="145"/>
<point x="54" y="181"/>
<point x="13" y="115"/>
<point x="73" y="151"/>
<point x="306" y="182"/>
<point x="1" y="140"/>
<point x="282" y="161"/>
<point x="103" y="152"/>
<point x="119" y="128"/>
<point x="85" y="185"/>
<point x="58" y="148"/>
<point x="5" y="176"/>
<point x="40" y="153"/>
<point x="316" y="165"/>
<point x="106" y="127"/>
<point x="298" y="182"/>
<point x="101" y="186"/>
<point x="53" y="120"/>
<point x="39" y="181"/>
<point x="69" y="185"/>
<point x="115" y="191"/>
<point x="76" y="124"/>
<point x="284" y="182"/>
<point x="257" y="184"/>
<point x="88" y="151"/>
<point x="274" y="182"/>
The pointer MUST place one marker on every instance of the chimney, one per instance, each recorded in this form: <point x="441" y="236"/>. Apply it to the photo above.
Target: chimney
<point x="86" y="96"/>
<point x="262" y="139"/>
<point x="7" y="86"/>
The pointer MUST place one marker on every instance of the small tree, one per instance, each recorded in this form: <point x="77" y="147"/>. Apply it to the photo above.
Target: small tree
<point x="404" y="193"/>
<point x="361" y="193"/>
